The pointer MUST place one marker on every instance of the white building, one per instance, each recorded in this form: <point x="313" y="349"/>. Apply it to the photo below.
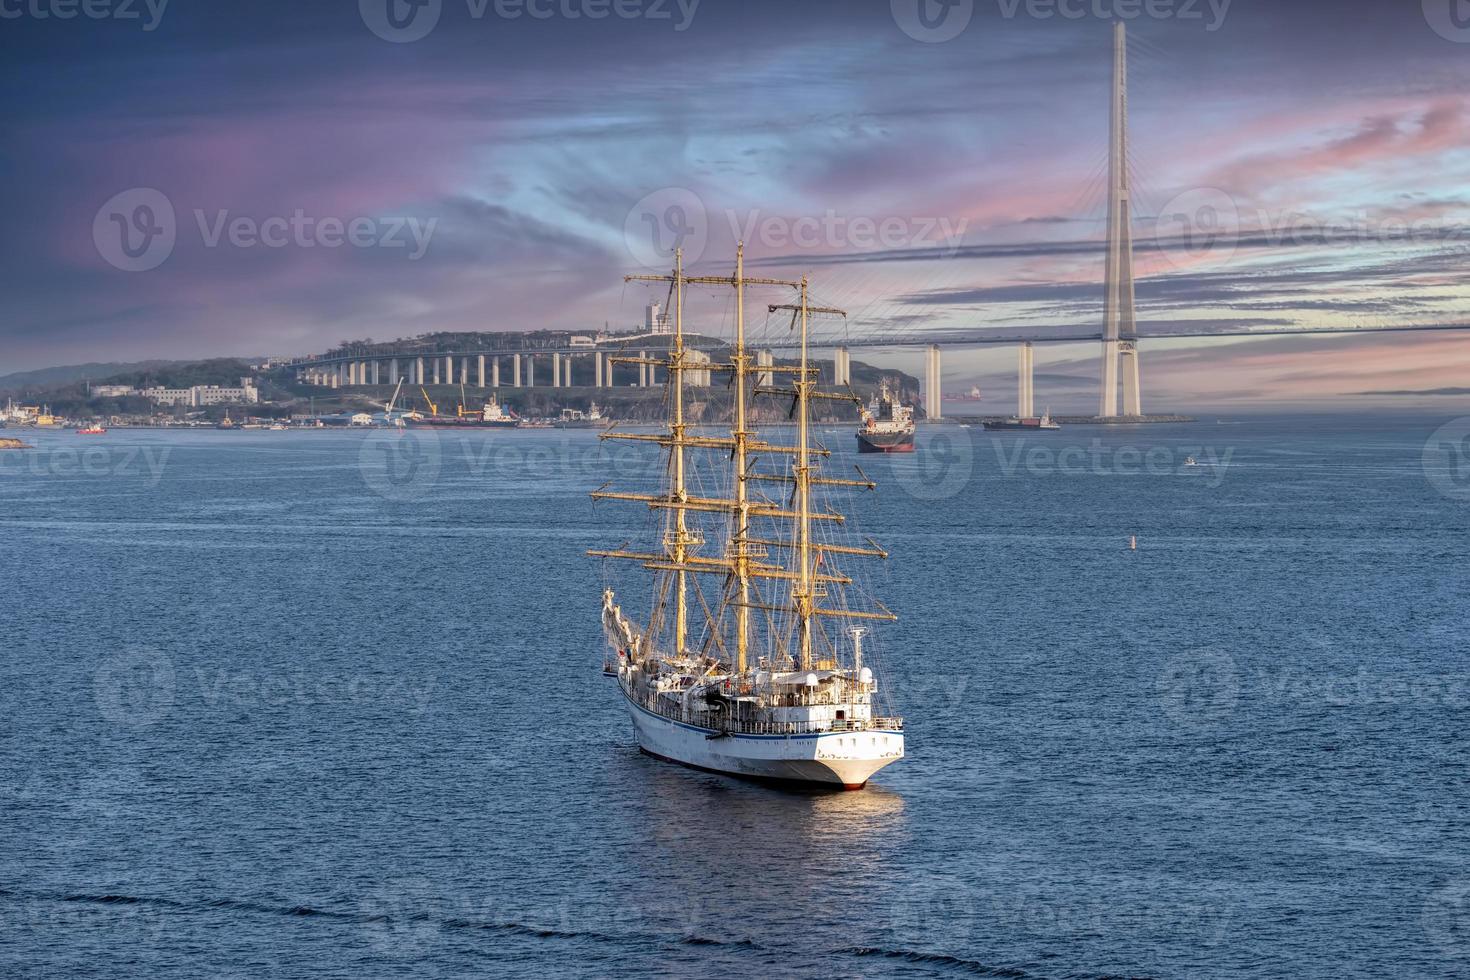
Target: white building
<point x="696" y="378"/>
<point x="169" y="396"/>
<point x="654" y="321"/>
<point x="113" y="391"/>
<point x="214" y="395"/>
<point x="200" y="395"/>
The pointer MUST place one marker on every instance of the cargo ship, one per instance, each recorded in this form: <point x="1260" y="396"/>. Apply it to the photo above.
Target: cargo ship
<point x="1042" y="424"/>
<point x="750" y="673"/>
<point x="573" y="418"/>
<point x="888" y="426"/>
<point x="491" y="416"/>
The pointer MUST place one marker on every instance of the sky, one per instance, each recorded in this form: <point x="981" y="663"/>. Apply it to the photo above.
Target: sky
<point x="188" y="179"/>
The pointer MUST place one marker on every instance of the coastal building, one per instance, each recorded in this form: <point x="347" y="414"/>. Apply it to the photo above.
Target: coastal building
<point x="169" y="396"/>
<point x="113" y="391"/>
<point x="654" y="321"/>
<point x="246" y="393"/>
<point x="201" y="395"/>
<point x="697" y="377"/>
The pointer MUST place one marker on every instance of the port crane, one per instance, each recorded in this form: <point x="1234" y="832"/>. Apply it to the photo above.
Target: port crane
<point x="388" y="408"/>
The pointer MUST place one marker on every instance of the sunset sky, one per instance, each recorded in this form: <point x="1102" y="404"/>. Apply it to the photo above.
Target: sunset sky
<point x="925" y="183"/>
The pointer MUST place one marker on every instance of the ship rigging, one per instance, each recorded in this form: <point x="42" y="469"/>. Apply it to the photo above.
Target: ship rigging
<point x="748" y="681"/>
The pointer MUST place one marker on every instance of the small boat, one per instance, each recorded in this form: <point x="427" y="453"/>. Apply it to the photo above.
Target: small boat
<point x="1190" y="461"/>
<point x="92" y="430"/>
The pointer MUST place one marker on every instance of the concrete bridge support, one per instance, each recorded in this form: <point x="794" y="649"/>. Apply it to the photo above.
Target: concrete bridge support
<point x="515" y="363"/>
<point x="764" y="358"/>
<point x="933" y="378"/>
<point x="482" y="370"/>
<point x="1025" y="395"/>
<point x="841" y="367"/>
<point x="1132" y="391"/>
<point x="555" y="370"/>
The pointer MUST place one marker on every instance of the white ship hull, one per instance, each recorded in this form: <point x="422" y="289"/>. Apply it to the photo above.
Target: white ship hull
<point x="835" y="760"/>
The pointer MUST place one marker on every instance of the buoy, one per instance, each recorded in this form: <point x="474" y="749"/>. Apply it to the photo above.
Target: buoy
<point x="1133" y="542"/>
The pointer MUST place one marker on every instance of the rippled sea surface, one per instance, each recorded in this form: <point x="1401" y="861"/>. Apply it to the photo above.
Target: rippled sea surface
<point x="297" y="704"/>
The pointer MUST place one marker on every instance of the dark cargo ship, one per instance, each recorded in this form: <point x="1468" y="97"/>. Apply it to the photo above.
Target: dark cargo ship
<point x="888" y="427"/>
<point x="1043" y="424"/>
<point x="491" y="416"/>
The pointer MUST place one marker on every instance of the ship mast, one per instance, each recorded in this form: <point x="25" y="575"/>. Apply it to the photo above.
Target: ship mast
<point x="805" y="599"/>
<point x="804" y="592"/>
<point x="742" y="562"/>
<point x="740" y="553"/>
<point x="739" y="550"/>
<point x="682" y="537"/>
<point x="680" y="540"/>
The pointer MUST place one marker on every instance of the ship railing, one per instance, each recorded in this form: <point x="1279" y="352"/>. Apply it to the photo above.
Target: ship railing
<point x="659" y="707"/>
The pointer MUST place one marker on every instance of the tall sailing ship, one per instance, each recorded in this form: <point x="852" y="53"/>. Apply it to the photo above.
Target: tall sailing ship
<point x="748" y="663"/>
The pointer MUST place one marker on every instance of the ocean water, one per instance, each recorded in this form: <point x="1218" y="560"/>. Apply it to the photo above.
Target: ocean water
<point x="328" y="704"/>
